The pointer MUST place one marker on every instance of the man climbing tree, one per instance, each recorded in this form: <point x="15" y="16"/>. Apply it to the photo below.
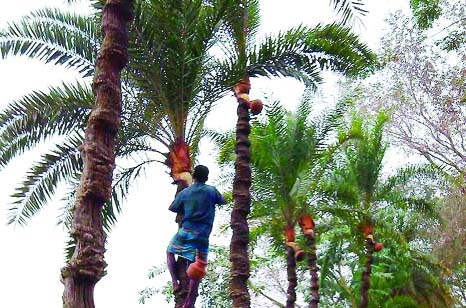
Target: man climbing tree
<point x="191" y="242"/>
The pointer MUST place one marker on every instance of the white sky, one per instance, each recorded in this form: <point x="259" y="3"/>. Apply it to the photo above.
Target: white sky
<point x="31" y="256"/>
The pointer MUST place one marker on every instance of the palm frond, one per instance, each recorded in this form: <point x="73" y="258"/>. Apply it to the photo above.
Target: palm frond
<point x="54" y="36"/>
<point x="241" y="26"/>
<point x="123" y="179"/>
<point x="171" y="64"/>
<point x="41" y="115"/>
<point x="349" y="9"/>
<point x="284" y="55"/>
<point x="68" y="200"/>
<point x="225" y="142"/>
<point x="43" y="178"/>
<point x="336" y="47"/>
<point x="411" y="173"/>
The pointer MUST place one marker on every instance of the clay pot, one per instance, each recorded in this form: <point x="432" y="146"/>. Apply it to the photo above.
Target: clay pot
<point x="197" y="269"/>
<point x="378" y="246"/>
<point x="256" y="106"/>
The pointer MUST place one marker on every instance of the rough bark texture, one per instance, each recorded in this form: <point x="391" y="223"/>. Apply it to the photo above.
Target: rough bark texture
<point x="366" y="274"/>
<point x="180" y="185"/>
<point x="87" y="265"/>
<point x="181" y="263"/>
<point x="239" y="256"/>
<point x="312" y="264"/>
<point x="178" y="159"/>
<point x="291" y="276"/>
<point x="182" y="292"/>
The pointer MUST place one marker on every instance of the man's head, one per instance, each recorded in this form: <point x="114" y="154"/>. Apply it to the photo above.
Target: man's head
<point x="201" y="173"/>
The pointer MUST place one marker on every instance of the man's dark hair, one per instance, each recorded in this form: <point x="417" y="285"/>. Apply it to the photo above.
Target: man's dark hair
<point x="201" y="173"/>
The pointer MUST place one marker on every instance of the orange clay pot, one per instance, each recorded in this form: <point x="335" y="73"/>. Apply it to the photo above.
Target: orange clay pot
<point x="197" y="270"/>
<point x="256" y="106"/>
<point x="378" y="246"/>
<point x="306" y="222"/>
<point x="289" y="234"/>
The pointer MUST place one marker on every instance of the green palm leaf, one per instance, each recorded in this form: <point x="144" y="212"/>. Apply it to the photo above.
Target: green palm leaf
<point x="58" y="165"/>
<point x="54" y="36"/>
<point x="40" y="115"/>
<point x="336" y="48"/>
<point x="349" y="9"/>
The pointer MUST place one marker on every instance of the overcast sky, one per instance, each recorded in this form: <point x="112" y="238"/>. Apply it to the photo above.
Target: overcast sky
<point x="31" y="256"/>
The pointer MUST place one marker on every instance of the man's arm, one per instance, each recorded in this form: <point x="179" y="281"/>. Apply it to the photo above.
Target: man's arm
<point x="176" y="204"/>
<point x="220" y="198"/>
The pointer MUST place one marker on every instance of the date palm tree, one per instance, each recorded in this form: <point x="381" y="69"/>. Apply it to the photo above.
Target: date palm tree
<point x="299" y="53"/>
<point x="170" y="84"/>
<point x="289" y="152"/>
<point x="288" y="156"/>
<point x="365" y="195"/>
<point x="87" y="266"/>
<point x="168" y="88"/>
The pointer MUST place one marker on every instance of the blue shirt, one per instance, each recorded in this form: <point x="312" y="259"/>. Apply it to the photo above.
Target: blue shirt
<point x="198" y="205"/>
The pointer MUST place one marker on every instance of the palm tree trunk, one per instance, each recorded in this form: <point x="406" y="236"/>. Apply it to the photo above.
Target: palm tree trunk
<point x="291" y="276"/>
<point x="239" y="256"/>
<point x="87" y="265"/>
<point x="312" y="263"/>
<point x="307" y="227"/>
<point x="366" y="274"/>
<point x="179" y="162"/>
<point x="181" y="264"/>
<point x="182" y="292"/>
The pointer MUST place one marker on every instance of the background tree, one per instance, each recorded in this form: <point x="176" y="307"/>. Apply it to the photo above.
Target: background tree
<point x="297" y="53"/>
<point x="357" y="182"/>
<point x="448" y="242"/>
<point x="423" y="80"/>
<point x="423" y="84"/>
<point x="288" y="155"/>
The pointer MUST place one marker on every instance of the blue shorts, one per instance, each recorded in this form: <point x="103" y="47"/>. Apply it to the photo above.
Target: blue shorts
<point x="187" y="241"/>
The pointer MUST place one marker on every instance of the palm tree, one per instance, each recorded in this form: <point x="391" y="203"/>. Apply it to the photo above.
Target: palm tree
<point x="166" y="97"/>
<point x="417" y="273"/>
<point x="87" y="265"/>
<point x="299" y="53"/>
<point x="403" y="273"/>
<point x="169" y="87"/>
<point x="164" y="101"/>
<point x="289" y="152"/>
<point x="292" y="150"/>
<point x="357" y="182"/>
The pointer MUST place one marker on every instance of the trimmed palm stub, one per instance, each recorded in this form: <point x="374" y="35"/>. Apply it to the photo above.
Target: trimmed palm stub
<point x="307" y="227"/>
<point x="371" y="246"/>
<point x="179" y="162"/>
<point x="242" y="201"/>
<point x="87" y="265"/>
